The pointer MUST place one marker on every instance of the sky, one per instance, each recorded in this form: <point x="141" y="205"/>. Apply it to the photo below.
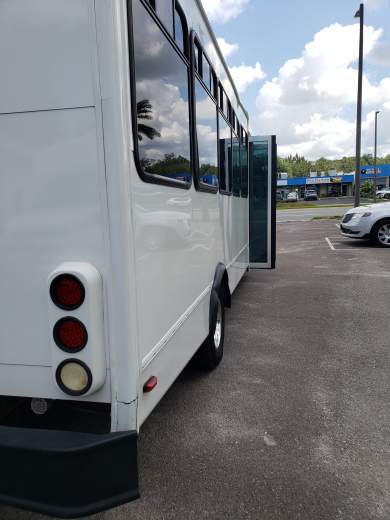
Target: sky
<point x="295" y="64"/>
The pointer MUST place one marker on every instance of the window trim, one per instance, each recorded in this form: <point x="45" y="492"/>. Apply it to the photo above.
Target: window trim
<point x="145" y="176"/>
<point x="199" y="186"/>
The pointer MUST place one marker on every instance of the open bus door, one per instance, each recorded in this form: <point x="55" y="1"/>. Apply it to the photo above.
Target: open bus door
<point x="262" y="202"/>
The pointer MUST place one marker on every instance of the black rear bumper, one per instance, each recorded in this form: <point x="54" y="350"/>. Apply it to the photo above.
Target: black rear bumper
<point x="67" y="474"/>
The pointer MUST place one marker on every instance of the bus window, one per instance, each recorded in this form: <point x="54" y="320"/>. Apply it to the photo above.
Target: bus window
<point x="206" y="73"/>
<point x="227" y="109"/>
<point x="236" y="167"/>
<point x="162" y="103"/>
<point x="198" y="58"/>
<point x="225" y="144"/>
<point x="232" y="119"/>
<point x="244" y="165"/>
<point x="165" y="14"/>
<point x="222" y="99"/>
<point x="213" y="83"/>
<point x="206" y="130"/>
<point x="180" y="29"/>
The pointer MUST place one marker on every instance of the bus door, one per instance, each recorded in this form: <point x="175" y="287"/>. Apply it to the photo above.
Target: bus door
<point x="262" y="202"/>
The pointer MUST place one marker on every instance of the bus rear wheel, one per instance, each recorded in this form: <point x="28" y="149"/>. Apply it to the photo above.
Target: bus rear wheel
<point x="211" y="352"/>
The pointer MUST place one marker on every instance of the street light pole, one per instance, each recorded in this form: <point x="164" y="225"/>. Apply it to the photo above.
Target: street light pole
<point x="359" y="14"/>
<point x="375" y="152"/>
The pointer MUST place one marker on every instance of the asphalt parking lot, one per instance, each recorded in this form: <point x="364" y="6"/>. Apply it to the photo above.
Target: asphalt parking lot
<point x="295" y="424"/>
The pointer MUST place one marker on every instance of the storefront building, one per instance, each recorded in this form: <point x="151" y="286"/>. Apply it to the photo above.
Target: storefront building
<point x="337" y="185"/>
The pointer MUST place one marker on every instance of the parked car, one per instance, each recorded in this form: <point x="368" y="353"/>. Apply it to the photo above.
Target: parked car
<point x="333" y="193"/>
<point x="279" y="196"/>
<point x="371" y="222"/>
<point x="293" y="196"/>
<point x="311" y="195"/>
<point x="383" y="193"/>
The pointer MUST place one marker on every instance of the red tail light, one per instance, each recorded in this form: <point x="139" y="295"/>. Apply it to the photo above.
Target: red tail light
<point x="67" y="292"/>
<point x="70" y="335"/>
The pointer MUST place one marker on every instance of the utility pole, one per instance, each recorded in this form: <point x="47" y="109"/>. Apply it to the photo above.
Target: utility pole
<point x="375" y="152"/>
<point x="359" y="14"/>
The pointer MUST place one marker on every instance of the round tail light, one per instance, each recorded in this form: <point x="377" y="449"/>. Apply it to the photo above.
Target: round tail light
<point x="70" y="335"/>
<point x="74" y="377"/>
<point x="67" y="292"/>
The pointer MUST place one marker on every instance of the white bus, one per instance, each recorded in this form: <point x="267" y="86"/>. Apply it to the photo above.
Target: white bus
<point x="127" y="219"/>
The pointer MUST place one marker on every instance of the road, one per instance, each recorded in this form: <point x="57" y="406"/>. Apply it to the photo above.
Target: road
<point x="306" y="214"/>
<point x="295" y="423"/>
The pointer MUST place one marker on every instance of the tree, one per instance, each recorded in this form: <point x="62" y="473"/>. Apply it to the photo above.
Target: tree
<point x="298" y="166"/>
<point x="367" y="189"/>
<point x="144" y="112"/>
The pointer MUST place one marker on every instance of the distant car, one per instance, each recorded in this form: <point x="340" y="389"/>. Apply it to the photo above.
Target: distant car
<point x="383" y="193"/>
<point x="311" y="195"/>
<point x="293" y="196"/>
<point x="371" y="222"/>
<point x="279" y="196"/>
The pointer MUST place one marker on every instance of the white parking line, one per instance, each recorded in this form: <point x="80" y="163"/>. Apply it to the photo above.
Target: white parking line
<point x="330" y="244"/>
<point x="338" y="245"/>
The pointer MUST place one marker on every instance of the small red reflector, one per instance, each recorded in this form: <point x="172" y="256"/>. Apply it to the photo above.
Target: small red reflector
<point x="67" y="292"/>
<point x="70" y="334"/>
<point x="150" y="384"/>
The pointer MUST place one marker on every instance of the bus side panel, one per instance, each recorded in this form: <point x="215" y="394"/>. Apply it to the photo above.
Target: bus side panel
<point x="50" y="212"/>
<point x="46" y="50"/>
<point x="178" y="246"/>
<point x="234" y="222"/>
<point x="171" y="360"/>
<point x="239" y="241"/>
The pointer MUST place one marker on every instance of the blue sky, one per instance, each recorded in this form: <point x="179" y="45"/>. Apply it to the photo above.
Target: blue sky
<point x="306" y="94"/>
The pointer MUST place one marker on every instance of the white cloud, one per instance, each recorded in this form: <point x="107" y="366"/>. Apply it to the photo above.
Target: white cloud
<point x="381" y="54"/>
<point x="227" y="48"/>
<point x="377" y="4"/>
<point x="244" y="75"/>
<point x="221" y="11"/>
<point x="311" y="103"/>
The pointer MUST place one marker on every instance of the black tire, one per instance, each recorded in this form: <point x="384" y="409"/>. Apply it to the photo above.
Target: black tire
<point x="379" y="232"/>
<point x="210" y="355"/>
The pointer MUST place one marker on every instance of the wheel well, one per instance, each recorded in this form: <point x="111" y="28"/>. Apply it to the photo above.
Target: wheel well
<point x="379" y="222"/>
<point x="221" y="284"/>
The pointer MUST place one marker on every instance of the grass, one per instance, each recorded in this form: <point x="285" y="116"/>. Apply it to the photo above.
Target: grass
<point x="303" y="205"/>
<point x="334" y="217"/>
<point x="295" y="205"/>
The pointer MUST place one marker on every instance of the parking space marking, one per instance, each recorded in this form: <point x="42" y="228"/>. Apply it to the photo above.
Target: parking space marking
<point x="330" y="244"/>
<point x="334" y="242"/>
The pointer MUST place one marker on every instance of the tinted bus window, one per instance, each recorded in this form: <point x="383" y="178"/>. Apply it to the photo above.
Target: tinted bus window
<point x="225" y="144"/>
<point x="165" y="13"/>
<point x="236" y="167"/>
<point x="244" y="167"/>
<point x="162" y="101"/>
<point x="206" y="131"/>
<point x="180" y="33"/>
<point x="221" y="98"/>
<point x="206" y="72"/>
<point x="197" y="57"/>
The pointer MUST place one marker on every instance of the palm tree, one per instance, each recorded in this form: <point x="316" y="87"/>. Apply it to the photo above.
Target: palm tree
<point x="144" y="111"/>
